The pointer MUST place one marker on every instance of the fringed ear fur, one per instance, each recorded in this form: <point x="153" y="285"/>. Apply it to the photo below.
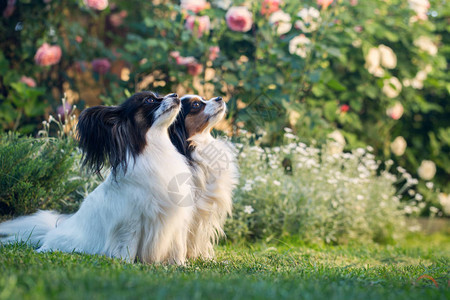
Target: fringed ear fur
<point x="106" y="137"/>
<point x="178" y="135"/>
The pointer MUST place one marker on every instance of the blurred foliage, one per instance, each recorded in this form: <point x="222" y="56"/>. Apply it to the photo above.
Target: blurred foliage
<point x="267" y="87"/>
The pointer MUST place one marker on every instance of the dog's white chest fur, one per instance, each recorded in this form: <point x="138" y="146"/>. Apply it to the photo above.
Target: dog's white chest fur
<point x="131" y="216"/>
<point x="216" y="176"/>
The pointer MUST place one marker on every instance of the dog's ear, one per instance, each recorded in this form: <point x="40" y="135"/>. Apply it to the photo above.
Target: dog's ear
<point x="179" y="137"/>
<point x="105" y="137"/>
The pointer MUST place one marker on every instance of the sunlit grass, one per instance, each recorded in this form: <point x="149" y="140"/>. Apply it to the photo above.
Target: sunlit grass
<point x="274" y="271"/>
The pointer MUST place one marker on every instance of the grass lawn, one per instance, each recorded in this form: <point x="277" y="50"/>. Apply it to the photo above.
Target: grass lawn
<point x="249" y="271"/>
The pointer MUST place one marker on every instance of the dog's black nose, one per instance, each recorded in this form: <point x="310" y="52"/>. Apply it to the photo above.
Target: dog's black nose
<point x="218" y="99"/>
<point x="174" y="95"/>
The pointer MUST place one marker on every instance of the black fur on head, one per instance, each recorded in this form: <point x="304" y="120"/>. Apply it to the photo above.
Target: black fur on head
<point x="178" y="132"/>
<point x="110" y="134"/>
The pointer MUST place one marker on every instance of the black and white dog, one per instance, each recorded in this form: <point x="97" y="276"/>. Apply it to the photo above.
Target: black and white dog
<point x="130" y="215"/>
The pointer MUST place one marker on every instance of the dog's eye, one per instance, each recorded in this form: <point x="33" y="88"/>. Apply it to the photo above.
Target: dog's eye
<point x="150" y="100"/>
<point x="196" y="104"/>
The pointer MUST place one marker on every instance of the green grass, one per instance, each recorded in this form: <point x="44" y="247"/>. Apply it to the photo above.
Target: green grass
<point x="248" y="271"/>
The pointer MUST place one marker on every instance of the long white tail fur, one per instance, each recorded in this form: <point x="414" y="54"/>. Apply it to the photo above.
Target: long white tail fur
<point x="30" y="229"/>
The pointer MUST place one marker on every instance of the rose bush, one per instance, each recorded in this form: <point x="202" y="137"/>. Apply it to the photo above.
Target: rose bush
<point x="375" y="70"/>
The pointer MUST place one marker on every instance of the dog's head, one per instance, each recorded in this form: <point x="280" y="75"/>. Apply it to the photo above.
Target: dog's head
<point x="198" y="116"/>
<point x="114" y="134"/>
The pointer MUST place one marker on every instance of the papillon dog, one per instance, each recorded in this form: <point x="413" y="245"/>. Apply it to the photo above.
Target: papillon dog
<point x="131" y="215"/>
<point x="214" y="169"/>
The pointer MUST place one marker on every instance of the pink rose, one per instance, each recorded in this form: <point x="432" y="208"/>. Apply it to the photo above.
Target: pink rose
<point x="198" y="25"/>
<point x="101" y="65"/>
<point x="96" y="4"/>
<point x="194" y="68"/>
<point x="239" y="18"/>
<point x="28" y="81"/>
<point x="213" y="53"/>
<point x="268" y="7"/>
<point x="353" y="2"/>
<point x="10" y="7"/>
<point x="194" y="5"/>
<point x="78" y="39"/>
<point x="174" y="54"/>
<point x="117" y="19"/>
<point x="48" y="55"/>
<point x="181" y="60"/>
<point x="324" y="3"/>
<point x="184" y="61"/>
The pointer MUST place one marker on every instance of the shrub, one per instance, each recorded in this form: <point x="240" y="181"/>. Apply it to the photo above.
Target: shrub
<point x="318" y="195"/>
<point x="34" y="173"/>
<point x="44" y="172"/>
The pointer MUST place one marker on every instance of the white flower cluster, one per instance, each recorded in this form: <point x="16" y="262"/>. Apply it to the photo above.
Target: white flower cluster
<point x="426" y="44"/>
<point x="321" y="194"/>
<point x="420" y="7"/>
<point x="378" y="57"/>
<point x="281" y="21"/>
<point x="308" y="21"/>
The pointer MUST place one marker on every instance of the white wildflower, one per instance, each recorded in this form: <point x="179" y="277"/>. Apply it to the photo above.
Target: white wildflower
<point x="247" y="187"/>
<point x="336" y="146"/>
<point x="290" y="136"/>
<point x="412" y="181"/>
<point x="429" y="185"/>
<point x="332" y="181"/>
<point x="408" y="210"/>
<point x="276" y="182"/>
<point x="418" y="197"/>
<point x="248" y="209"/>
<point x="401" y="170"/>
<point x="434" y="210"/>
<point x="360" y="151"/>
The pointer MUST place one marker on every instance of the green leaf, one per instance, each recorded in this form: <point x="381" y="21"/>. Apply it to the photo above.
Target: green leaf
<point x="336" y="85"/>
